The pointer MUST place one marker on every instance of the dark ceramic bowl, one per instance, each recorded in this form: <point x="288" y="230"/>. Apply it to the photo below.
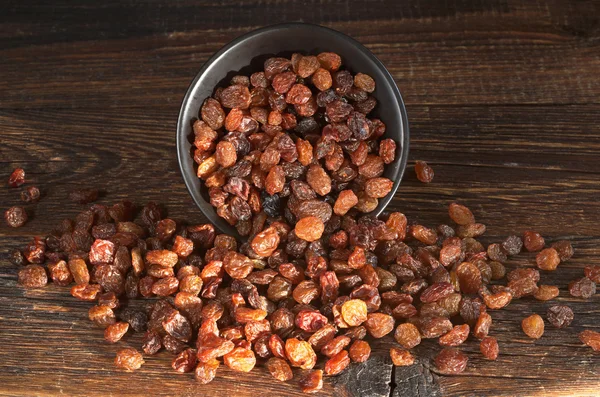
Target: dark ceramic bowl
<point x="246" y="55"/>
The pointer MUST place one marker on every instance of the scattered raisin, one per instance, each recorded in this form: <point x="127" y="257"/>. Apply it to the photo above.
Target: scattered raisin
<point x="489" y="348"/>
<point x="533" y="326"/>
<point x="128" y="359"/>
<point x="15" y="216"/>
<point x="451" y="361"/>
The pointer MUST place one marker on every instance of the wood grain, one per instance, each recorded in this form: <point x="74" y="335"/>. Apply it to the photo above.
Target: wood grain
<point x="503" y="102"/>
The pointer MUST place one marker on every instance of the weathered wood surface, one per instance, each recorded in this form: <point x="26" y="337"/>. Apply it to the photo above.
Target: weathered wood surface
<point x="503" y="100"/>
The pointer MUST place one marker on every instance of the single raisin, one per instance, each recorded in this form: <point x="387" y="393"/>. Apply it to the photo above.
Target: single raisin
<point x="533" y="326"/>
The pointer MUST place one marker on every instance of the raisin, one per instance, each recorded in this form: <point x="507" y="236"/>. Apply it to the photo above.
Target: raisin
<point x="401" y="357"/>
<point x="560" y="316"/>
<point x="533" y="326"/>
<point x="387" y="150"/>
<point x="259" y="79"/>
<point x="547" y="259"/>
<point x="451" y="361"/>
<point x="128" y="359"/>
<point x="103" y="316"/>
<point x="86" y="292"/>
<point x="533" y="241"/>
<point x="342" y="82"/>
<point x="482" y="326"/>
<point x="407" y="335"/>
<point x="498" y="270"/>
<point x="275" y="180"/>
<point x="185" y="361"/>
<point x="434" y="327"/>
<point x="102" y="252"/>
<point x="163" y="258"/>
<point x="378" y="187"/>
<point x="236" y="96"/>
<point x="354" y="312"/>
<point x="436" y="292"/>
<point x="582" y="288"/>
<point x="497" y="300"/>
<point x="16" y="178"/>
<point x="279" y="369"/>
<point x="16" y="258"/>
<point x="338" y="111"/>
<point x="298" y="94"/>
<point x="469" y="277"/>
<point x="379" y="324"/>
<point x="460" y="214"/>
<point x="593" y="273"/>
<point x="591" y="338"/>
<point x="424" y="171"/>
<point x="359" y="351"/>
<point x="15" y="216"/>
<point x="546" y="292"/>
<point x="564" y="249"/>
<point x="206" y="372"/>
<point x="337" y="363"/>
<point x="274" y="66"/>
<point x="282" y="82"/>
<point x="177" y="326"/>
<point x="329" y="61"/>
<point x="364" y="82"/>
<point x="300" y="353"/>
<point x="309" y="228"/>
<point x="137" y="319"/>
<point x="151" y="343"/>
<point x="312" y="382"/>
<point x="456" y="336"/>
<point x="30" y="195"/>
<point x="33" y="276"/>
<point x="114" y="332"/>
<point x="335" y="345"/>
<point x="60" y="274"/>
<point x="307" y="65"/>
<point x="489" y="348"/>
<point x="240" y="359"/>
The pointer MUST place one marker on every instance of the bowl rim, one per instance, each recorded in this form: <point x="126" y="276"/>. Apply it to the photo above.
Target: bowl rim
<point x="183" y="154"/>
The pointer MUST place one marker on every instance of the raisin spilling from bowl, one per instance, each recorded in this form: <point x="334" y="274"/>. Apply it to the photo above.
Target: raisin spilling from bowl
<point x="293" y="141"/>
<point x="326" y="288"/>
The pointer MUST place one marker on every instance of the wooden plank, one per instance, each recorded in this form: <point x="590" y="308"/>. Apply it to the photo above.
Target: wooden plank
<point x="492" y="53"/>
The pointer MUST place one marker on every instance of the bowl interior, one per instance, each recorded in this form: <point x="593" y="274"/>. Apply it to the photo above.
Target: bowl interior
<point x="247" y="54"/>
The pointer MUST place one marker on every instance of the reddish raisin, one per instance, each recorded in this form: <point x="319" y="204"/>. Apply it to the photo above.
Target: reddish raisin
<point x="533" y="241"/>
<point x="451" y="361"/>
<point x="424" y="171"/>
<point x="489" y="348"/>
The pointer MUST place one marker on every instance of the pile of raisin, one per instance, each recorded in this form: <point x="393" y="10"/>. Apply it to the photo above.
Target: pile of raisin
<point x="293" y="141"/>
<point x="292" y="295"/>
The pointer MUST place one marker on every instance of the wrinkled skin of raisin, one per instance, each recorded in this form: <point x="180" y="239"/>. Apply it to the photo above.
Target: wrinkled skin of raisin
<point x="560" y="316"/>
<point x="451" y="361"/>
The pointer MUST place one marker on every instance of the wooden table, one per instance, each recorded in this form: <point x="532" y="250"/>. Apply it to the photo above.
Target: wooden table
<point x="503" y="101"/>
